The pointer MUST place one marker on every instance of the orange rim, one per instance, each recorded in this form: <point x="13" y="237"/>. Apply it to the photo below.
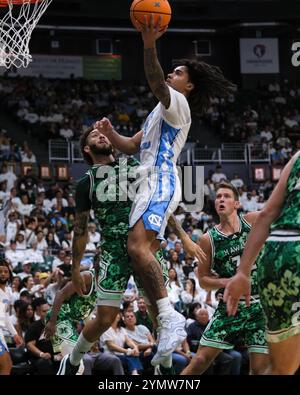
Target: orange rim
<point x="5" y="3"/>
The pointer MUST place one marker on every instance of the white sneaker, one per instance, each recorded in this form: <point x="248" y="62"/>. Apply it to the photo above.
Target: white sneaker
<point x="171" y="334"/>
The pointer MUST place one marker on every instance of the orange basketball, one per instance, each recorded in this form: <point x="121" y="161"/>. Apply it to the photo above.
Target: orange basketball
<point x="140" y="8"/>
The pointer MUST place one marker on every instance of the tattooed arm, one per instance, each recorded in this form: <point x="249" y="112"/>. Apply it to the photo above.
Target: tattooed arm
<point x="189" y="246"/>
<point x="79" y="244"/>
<point x="154" y="73"/>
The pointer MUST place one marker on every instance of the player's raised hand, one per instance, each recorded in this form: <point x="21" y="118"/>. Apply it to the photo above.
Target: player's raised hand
<point x="104" y="126"/>
<point x="151" y="30"/>
<point x="236" y="287"/>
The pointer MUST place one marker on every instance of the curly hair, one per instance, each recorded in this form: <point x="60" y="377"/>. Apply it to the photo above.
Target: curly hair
<point x="208" y="81"/>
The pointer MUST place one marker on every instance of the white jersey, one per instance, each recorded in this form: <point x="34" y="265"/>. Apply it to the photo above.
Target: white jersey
<point x="164" y="135"/>
<point x="5" y="321"/>
<point x="165" y="132"/>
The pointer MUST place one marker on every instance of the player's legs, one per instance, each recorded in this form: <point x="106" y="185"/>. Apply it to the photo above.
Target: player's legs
<point x="279" y="279"/>
<point x="5" y="359"/>
<point x="5" y="364"/>
<point x="91" y="332"/>
<point x="96" y="327"/>
<point x="284" y="356"/>
<point x="259" y="363"/>
<point x="171" y="333"/>
<point x="202" y="360"/>
<point x="255" y="337"/>
<point x="145" y="265"/>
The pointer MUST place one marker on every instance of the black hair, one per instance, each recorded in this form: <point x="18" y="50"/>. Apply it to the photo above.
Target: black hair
<point x="83" y="143"/>
<point x="208" y="81"/>
<point x="4" y="262"/>
<point x="38" y="302"/>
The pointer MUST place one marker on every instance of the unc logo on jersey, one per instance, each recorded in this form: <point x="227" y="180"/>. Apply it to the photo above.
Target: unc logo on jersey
<point x="155" y="219"/>
<point x="145" y="145"/>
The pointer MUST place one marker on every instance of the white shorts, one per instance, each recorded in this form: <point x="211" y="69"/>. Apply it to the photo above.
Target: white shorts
<point x="157" y="198"/>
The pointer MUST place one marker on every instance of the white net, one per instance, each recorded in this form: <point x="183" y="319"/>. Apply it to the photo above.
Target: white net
<point x="18" y="18"/>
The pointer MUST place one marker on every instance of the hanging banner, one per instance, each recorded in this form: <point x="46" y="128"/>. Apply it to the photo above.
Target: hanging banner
<point x="259" y="55"/>
<point x="102" y="67"/>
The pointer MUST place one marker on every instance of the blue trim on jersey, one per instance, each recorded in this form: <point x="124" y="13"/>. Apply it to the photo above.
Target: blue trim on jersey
<point x="153" y="216"/>
<point x="165" y="152"/>
<point x="3" y="349"/>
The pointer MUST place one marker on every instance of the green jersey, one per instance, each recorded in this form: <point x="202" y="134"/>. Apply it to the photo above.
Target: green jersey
<point x="290" y="213"/>
<point x="227" y="251"/>
<point x="101" y="189"/>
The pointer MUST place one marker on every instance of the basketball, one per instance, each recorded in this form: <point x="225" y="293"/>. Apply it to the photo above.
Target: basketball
<point x="140" y="8"/>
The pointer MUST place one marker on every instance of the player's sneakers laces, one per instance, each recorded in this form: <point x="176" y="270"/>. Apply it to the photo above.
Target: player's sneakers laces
<point x="171" y="334"/>
<point x="159" y="370"/>
<point x="66" y="368"/>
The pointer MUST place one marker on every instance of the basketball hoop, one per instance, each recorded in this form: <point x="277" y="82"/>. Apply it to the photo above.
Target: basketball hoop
<point x="19" y="19"/>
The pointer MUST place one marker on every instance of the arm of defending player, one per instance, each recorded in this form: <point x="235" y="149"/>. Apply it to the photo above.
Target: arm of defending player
<point x="189" y="246"/>
<point x="127" y="145"/>
<point x="239" y="285"/>
<point x="63" y="294"/>
<point x="207" y="279"/>
<point x="82" y="215"/>
<point x="78" y="248"/>
<point x="154" y="73"/>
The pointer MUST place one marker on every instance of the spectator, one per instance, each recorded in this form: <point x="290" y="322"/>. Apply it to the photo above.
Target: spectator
<point x="218" y="176"/>
<point x="237" y="181"/>
<point x="142" y="315"/>
<point x="39" y="349"/>
<point x="104" y="362"/>
<point x="115" y="339"/>
<point x="174" y="289"/>
<point x="142" y="337"/>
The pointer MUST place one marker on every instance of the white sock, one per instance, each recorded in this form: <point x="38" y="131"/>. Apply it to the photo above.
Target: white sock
<point x="167" y="363"/>
<point x="82" y="346"/>
<point x="164" y="306"/>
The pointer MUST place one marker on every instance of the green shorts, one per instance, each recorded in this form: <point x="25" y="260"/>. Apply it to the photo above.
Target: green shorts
<point x="279" y="286"/>
<point x="115" y="270"/>
<point x="65" y="332"/>
<point x="249" y="322"/>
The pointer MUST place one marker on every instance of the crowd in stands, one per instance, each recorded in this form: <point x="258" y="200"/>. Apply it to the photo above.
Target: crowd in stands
<point x="36" y="239"/>
<point x="267" y="117"/>
<point x="51" y="109"/>
<point x="37" y="218"/>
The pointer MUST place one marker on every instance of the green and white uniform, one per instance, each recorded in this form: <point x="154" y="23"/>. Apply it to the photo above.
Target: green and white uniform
<point x="279" y="266"/>
<point x="248" y="322"/>
<point x="76" y="309"/>
<point x="102" y="189"/>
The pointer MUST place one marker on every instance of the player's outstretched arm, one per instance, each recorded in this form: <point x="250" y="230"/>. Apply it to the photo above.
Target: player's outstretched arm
<point x="239" y="285"/>
<point x="154" y="73"/>
<point x="127" y="145"/>
<point x="63" y="294"/>
<point x="189" y="246"/>
<point x="79" y="244"/>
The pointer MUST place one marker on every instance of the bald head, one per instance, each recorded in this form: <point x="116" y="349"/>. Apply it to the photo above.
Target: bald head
<point x="202" y="316"/>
